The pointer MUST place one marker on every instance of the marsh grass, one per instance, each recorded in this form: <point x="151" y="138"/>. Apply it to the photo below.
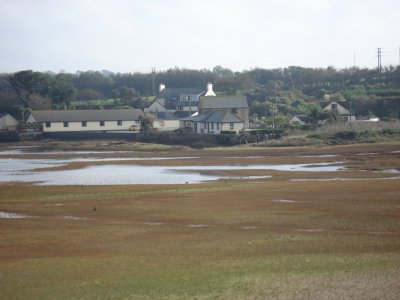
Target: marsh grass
<point x="220" y="240"/>
<point x="341" y="134"/>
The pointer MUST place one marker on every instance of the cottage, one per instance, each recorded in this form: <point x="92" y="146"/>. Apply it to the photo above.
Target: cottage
<point x="341" y="107"/>
<point x="179" y="99"/>
<point x="87" y="120"/>
<point x="8" y="122"/>
<point x="219" y="113"/>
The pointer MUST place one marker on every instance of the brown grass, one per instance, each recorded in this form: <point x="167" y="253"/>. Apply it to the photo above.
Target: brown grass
<point x="231" y="239"/>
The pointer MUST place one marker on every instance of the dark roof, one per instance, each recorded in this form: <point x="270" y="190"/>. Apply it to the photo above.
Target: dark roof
<point x="216" y="117"/>
<point x="165" y="115"/>
<point x="172" y="94"/>
<point x="86" y="115"/>
<point x="185" y="103"/>
<point x="181" y="114"/>
<point x="215" y="102"/>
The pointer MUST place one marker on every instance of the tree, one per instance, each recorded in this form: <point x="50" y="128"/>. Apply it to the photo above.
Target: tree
<point x="318" y="114"/>
<point x="127" y="94"/>
<point x="94" y="81"/>
<point x="63" y="90"/>
<point x="146" y="122"/>
<point x="27" y="83"/>
<point x="38" y="102"/>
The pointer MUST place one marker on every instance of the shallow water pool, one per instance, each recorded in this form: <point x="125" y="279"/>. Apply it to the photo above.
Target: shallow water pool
<point x="20" y="170"/>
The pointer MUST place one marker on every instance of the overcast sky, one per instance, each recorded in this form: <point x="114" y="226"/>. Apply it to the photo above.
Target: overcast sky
<point x="136" y="35"/>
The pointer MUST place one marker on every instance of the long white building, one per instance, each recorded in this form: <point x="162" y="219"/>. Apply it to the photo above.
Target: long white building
<point x="87" y="120"/>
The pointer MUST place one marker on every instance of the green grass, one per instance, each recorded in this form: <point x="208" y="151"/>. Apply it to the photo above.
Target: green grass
<point x="94" y="102"/>
<point x="102" y="102"/>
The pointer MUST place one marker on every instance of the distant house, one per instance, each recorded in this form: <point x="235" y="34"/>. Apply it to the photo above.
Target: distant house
<point x="173" y="104"/>
<point x="300" y="120"/>
<point x="87" y="120"/>
<point x="342" y="107"/>
<point x="178" y="99"/>
<point x="8" y="122"/>
<point x="219" y="113"/>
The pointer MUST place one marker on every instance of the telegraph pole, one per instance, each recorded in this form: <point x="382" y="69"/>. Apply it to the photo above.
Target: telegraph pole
<point x="379" y="59"/>
<point x="153" y="78"/>
<point x="273" y="116"/>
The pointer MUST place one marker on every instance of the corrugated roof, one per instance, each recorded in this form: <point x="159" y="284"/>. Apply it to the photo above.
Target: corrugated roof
<point x="215" y="102"/>
<point x="86" y="115"/>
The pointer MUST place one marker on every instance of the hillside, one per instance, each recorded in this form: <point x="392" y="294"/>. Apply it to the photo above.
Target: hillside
<point x="285" y="92"/>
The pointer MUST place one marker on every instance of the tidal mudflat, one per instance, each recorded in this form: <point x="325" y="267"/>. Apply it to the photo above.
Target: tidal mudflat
<point x="251" y="234"/>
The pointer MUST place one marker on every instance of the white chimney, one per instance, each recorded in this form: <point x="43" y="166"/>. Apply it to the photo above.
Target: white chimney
<point x="210" y="91"/>
<point x="161" y="87"/>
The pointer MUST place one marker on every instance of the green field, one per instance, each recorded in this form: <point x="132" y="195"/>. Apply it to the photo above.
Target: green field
<point x="103" y="102"/>
<point x="278" y="238"/>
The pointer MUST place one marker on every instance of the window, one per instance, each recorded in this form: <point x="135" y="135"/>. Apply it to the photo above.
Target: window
<point x="205" y="125"/>
<point x="217" y="126"/>
<point x="84" y="124"/>
<point x="102" y="123"/>
<point x="212" y="125"/>
<point x="119" y="123"/>
<point x="234" y="110"/>
<point x="333" y="106"/>
<point x="48" y="124"/>
<point x="66" y="124"/>
<point x="232" y="126"/>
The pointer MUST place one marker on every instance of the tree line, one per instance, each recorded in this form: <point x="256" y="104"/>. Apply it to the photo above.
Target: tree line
<point x="281" y="91"/>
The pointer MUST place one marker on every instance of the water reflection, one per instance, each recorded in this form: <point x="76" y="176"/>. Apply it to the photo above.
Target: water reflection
<point x="21" y="170"/>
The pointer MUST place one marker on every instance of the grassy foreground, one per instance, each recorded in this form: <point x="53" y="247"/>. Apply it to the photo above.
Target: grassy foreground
<point x="278" y="238"/>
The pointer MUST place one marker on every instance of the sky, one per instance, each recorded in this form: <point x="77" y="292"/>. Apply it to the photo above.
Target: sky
<point x="137" y="35"/>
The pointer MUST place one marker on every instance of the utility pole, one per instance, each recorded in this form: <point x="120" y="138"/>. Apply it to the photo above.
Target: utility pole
<point x="354" y="59"/>
<point x="190" y="106"/>
<point x="273" y="116"/>
<point x="153" y="78"/>
<point x="379" y="59"/>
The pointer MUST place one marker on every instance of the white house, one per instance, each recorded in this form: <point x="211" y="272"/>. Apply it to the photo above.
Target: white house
<point x="87" y="120"/>
<point x="178" y="99"/>
<point x="342" y="107"/>
<point x="173" y="104"/>
<point x="8" y="122"/>
<point x="158" y="105"/>
<point x="217" y="114"/>
<point x="214" y="122"/>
